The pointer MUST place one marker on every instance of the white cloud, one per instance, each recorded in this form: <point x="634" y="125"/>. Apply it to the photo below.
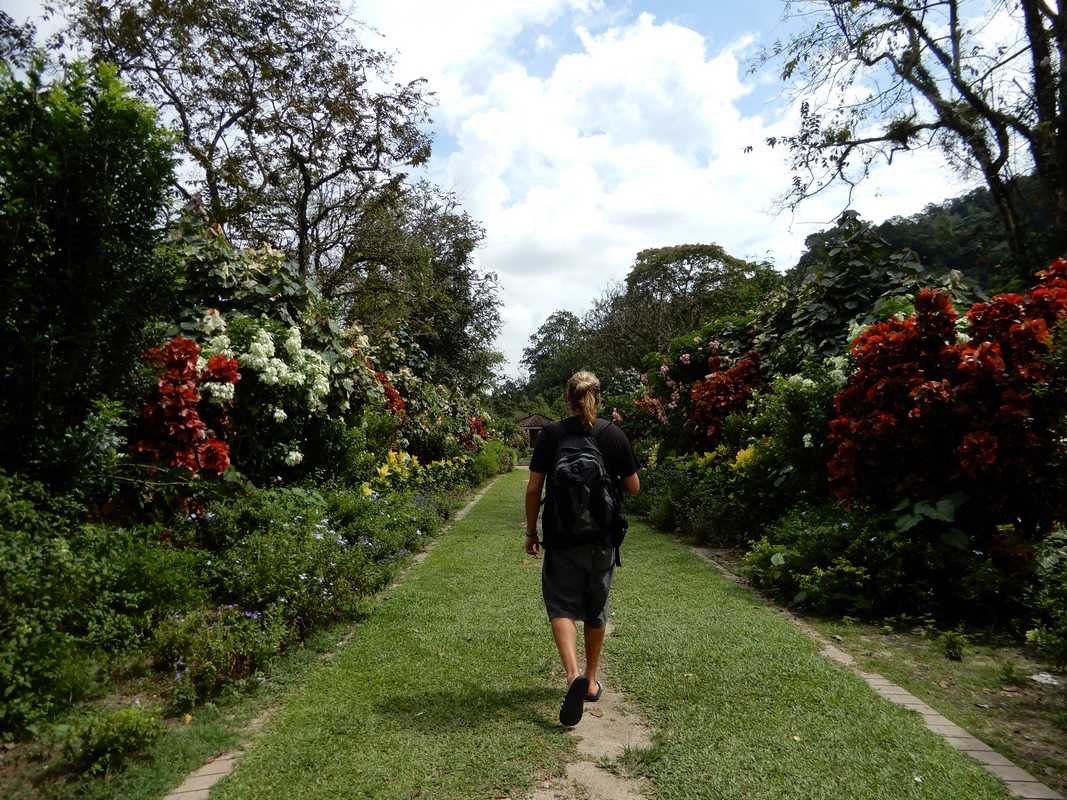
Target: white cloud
<point x="633" y="141"/>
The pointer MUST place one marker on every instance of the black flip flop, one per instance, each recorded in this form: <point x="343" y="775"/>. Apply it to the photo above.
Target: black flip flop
<point x="592" y="698"/>
<point x="570" y="713"/>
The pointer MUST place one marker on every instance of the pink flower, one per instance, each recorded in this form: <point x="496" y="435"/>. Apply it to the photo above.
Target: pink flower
<point x="684" y="358"/>
<point x="663" y="370"/>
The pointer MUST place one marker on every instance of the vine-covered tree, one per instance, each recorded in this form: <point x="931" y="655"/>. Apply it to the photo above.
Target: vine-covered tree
<point x="290" y="125"/>
<point x="875" y="78"/>
<point x="853" y="279"/>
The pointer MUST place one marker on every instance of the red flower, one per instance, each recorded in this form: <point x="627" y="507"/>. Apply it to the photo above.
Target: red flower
<point x="393" y="401"/>
<point x="977" y="454"/>
<point x="723" y="394"/>
<point x="174" y="432"/>
<point x="223" y="368"/>
<point x="214" y="456"/>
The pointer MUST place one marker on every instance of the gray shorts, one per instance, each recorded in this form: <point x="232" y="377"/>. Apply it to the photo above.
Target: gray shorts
<point x="577" y="584"/>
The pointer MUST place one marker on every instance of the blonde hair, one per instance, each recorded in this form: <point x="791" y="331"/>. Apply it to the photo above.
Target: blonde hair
<point x="583" y="396"/>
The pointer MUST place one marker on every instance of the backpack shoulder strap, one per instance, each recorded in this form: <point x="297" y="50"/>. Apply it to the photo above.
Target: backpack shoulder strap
<point x="599" y="427"/>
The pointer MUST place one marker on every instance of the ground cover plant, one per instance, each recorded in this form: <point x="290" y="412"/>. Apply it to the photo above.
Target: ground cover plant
<point x="270" y="573"/>
<point x="48" y="767"/>
<point x="426" y="698"/>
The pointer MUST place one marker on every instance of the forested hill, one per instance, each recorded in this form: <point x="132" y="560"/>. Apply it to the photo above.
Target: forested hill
<point x="963" y="233"/>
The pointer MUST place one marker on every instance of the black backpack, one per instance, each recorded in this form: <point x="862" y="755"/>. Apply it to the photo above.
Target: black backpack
<point x="582" y="502"/>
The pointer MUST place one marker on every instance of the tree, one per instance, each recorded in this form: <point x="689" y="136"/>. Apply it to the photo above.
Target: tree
<point x="410" y="264"/>
<point x="292" y="127"/>
<point x="16" y="43"/>
<point x="86" y="175"/>
<point x="671" y="291"/>
<point x="554" y="354"/>
<point x="879" y="77"/>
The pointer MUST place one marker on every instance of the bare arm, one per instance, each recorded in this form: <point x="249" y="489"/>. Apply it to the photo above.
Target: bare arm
<point x="533" y="508"/>
<point x="631" y="484"/>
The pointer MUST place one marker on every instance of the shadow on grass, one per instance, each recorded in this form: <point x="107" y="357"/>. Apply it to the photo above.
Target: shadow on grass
<point x="471" y="707"/>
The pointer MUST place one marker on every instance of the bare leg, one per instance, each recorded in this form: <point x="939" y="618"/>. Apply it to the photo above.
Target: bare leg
<point x="594" y="641"/>
<point x="565" y="632"/>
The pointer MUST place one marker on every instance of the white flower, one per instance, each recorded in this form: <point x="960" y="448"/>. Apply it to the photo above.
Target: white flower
<point x="218" y="345"/>
<point x="260" y="352"/>
<point x="807" y="440"/>
<point x="280" y="415"/>
<point x="293" y="457"/>
<point x="218" y="392"/>
<point x="292" y="342"/>
<point x="799" y="382"/>
<point x="855" y="328"/>
<point x="213" y="321"/>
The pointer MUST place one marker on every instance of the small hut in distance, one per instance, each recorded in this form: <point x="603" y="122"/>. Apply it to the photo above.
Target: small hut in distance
<point x="532" y="426"/>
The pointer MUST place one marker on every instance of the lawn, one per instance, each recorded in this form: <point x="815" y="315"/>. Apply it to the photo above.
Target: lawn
<point x="450" y="688"/>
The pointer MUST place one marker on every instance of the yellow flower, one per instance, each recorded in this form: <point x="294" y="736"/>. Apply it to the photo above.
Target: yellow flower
<point x="743" y="457"/>
<point x="367" y="491"/>
<point x="383" y="471"/>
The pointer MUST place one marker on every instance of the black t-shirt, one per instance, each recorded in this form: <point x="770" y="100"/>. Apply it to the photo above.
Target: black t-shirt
<point x="618" y="454"/>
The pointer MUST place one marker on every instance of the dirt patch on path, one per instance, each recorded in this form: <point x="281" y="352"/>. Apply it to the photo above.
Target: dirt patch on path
<point x="608" y="728"/>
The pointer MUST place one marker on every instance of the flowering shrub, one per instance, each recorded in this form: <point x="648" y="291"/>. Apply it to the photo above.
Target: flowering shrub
<point x="770" y="456"/>
<point x="300" y="370"/>
<point x="288" y="394"/>
<point x="174" y="431"/>
<point x="313" y="554"/>
<point x="394" y="403"/>
<point x="441" y="422"/>
<point x="213" y="650"/>
<point x="476" y="434"/>
<point x="662" y="408"/>
<point x="722" y="393"/>
<point x="926" y="416"/>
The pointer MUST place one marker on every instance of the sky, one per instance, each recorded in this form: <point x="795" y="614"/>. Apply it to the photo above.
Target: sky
<point x="580" y="132"/>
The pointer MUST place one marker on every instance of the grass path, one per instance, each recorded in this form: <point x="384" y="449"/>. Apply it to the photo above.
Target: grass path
<point x="451" y="689"/>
